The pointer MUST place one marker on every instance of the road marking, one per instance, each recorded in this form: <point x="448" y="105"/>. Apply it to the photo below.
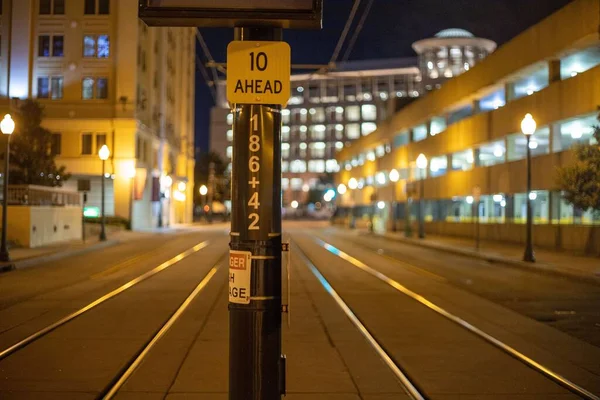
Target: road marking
<point x="573" y="387"/>
<point x="31" y="338"/>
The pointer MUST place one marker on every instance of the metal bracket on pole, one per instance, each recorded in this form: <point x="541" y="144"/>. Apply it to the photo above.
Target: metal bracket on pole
<point x="285" y="308"/>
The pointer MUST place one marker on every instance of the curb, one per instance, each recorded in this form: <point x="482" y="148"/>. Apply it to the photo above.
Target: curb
<point x="33" y="261"/>
<point x="538" y="267"/>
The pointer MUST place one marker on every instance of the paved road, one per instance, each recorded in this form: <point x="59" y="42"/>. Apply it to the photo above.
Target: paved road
<point x="330" y="356"/>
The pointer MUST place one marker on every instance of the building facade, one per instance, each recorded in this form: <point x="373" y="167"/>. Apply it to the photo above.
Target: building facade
<point x="104" y="77"/>
<point x="328" y="111"/>
<point x="469" y="130"/>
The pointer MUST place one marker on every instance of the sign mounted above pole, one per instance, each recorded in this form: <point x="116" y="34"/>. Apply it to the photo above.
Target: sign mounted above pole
<point x="258" y="72"/>
<point x="288" y="14"/>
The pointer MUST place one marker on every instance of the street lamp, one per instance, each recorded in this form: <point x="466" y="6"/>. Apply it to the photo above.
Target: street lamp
<point x="104" y="153"/>
<point x="422" y="165"/>
<point x="7" y="126"/>
<point x="528" y="126"/>
<point x="394" y="177"/>
<point x="203" y="190"/>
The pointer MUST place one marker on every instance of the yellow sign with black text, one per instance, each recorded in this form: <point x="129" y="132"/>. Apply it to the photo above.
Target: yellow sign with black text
<point x="258" y="72"/>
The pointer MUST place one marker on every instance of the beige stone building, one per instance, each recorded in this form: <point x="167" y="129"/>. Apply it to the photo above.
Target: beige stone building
<point x="469" y="130"/>
<point x="104" y="77"/>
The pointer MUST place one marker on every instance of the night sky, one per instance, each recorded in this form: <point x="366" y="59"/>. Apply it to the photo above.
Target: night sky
<point x="390" y="29"/>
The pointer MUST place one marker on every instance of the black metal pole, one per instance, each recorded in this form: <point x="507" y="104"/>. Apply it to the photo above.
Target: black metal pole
<point x="4" y="256"/>
<point x="394" y="207"/>
<point x="256" y="365"/>
<point x="528" y="256"/>
<point x="477" y="224"/>
<point x="103" y="217"/>
<point x="421" y="211"/>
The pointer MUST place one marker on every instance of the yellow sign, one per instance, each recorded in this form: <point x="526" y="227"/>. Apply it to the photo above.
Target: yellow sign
<point x="258" y="72"/>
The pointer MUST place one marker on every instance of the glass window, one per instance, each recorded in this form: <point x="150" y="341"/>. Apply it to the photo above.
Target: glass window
<point x="438" y="125"/>
<point x="317" y="132"/>
<point x="45" y="7"/>
<point x="419" y="133"/>
<point x="353" y="113"/>
<point x="103" y="46"/>
<point x="493" y="101"/>
<point x="317" y="150"/>
<point x="460" y="114"/>
<point x="316" y="166"/>
<point x="353" y="131"/>
<point x="90" y="7"/>
<point x="438" y="165"/>
<point x="229" y="152"/>
<point x="89" y="46"/>
<point x="579" y="131"/>
<point x="579" y="62"/>
<point x="539" y="144"/>
<point x="57" y="87"/>
<point x="331" y="166"/>
<point x="491" y="154"/>
<point x="100" y="141"/>
<point x="296" y="183"/>
<point x="230" y="135"/>
<point x="58" y="46"/>
<point x="285" y="116"/>
<point x="369" y="112"/>
<point x="367" y="128"/>
<point x="285" y="133"/>
<point x="43" y="87"/>
<point x="102" y="88"/>
<point x="86" y="144"/>
<point x="380" y="150"/>
<point x="285" y="166"/>
<point x="539" y="203"/>
<point x="103" y="7"/>
<point x="230" y="119"/>
<point x="285" y="183"/>
<point x="285" y="150"/>
<point x="401" y="139"/>
<point x="87" y="90"/>
<point x="56" y="144"/>
<point x="534" y="82"/>
<point x="59" y="7"/>
<point x="317" y="114"/>
<point x="44" y="46"/>
<point x="298" y="166"/>
<point x="463" y="160"/>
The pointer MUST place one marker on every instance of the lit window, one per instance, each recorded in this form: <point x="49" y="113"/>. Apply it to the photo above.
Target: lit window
<point x="285" y="183"/>
<point x="285" y="166"/>
<point x="87" y="90"/>
<point x="103" y="46"/>
<point x="462" y="160"/>
<point x="229" y="152"/>
<point x="44" y="46"/>
<point x="316" y="166"/>
<point x="230" y="119"/>
<point x="89" y="46"/>
<point x="331" y="166"/>
<point x="419" y="133"/>
<point x="317" y="150"/>
<point x="380" y="151"/>
<point x="102" y="88"/>
<point x="438" y="165"/>
<point x="369" y="112"/>
<point x="298" y="166"/>
<point x="56" y="87"/>
<point x="285" y="150"/>
<point x="353" y="131"/>
<point x="296" y="183"/>
<point x="229" y="135"/>
<point x="438" y="125"/>
<point x="367" y="128"/>
<point x="353" y="113"/>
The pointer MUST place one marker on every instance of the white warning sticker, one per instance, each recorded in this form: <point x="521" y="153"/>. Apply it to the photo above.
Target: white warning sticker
<point x="240" y="269"/>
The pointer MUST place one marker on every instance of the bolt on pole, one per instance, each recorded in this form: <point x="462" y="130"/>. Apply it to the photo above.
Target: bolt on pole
<point x="256" y="365"/>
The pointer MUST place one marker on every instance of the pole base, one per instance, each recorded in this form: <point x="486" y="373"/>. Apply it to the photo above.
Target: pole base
<point x="4" y="256"/>
<point x="102" y="236"/>
<point x="529" y="257"/>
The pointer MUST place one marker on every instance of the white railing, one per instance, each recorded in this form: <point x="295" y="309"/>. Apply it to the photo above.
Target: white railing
<point x="32" y="195"/>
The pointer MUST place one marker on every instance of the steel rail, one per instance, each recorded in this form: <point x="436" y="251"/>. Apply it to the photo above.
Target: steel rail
<point x="409" y="387"/>
<point x="120" y="380"/>
<point x="554" y="376"/>
<point x="42" y="332"/>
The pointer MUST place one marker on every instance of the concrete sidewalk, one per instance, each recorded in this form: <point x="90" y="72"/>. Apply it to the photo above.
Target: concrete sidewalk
<point x="559" y="263"/>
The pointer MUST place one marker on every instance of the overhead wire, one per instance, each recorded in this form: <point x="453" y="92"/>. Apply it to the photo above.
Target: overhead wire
<point x="342" y="39"/>
<point x="209" y="82"/>
<point x="215" y="76"/>
<point x="357" y="30"/>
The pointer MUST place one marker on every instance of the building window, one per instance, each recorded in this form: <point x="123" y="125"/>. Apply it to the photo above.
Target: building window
<point x="86" y="144"/>
<point x="317" y="150"/>
<point x="438" y="125"/>
<point x="419" y="133"/>
<point x="438" y="165"/>
<point x="59" y="7"/>
<point x="491" y="154"/>
<point x="463" y="160"/>
<point x="43" y="87"/>
<point x="101" y="88"/>
<point x="298" y="166"/>
<point x="401" y="139"/>
<point x="96" y="46"/>
<point x="353" y="113"/>
<point x="44" y="46"/>
<point x="56" y="144"/>
<point x="58" y="46"/>
<point x="100" y="141"/>
<point x="539" y="144"/>
<point x="285" y="150"/>
<point x="316" y="166"/>
<point x="87" y="91"/>
<point x="367" y="128"/>
<point x="353" y="131"/>
<point x="45" y="7"/>
<point x="50" y="87"/>
<point x="56" y="87"/>
<point x="102" y="9"/>
<point x="369" y="112"/>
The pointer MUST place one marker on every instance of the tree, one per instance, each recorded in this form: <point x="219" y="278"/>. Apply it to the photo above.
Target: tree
<point x="222" y="180"/>
<point x="31" y="159"/>
<point x="580" y="181"/>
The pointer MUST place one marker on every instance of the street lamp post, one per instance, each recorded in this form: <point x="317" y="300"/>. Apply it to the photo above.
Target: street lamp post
<point x="352" y="185"/>
<point x="7" y="126"/>
<point x="528" y="126"/>
<point x="422" y="165"/>
<point x="394" y="177"/>
<point x="131" y="173"/>
<point x="104" y="153"/>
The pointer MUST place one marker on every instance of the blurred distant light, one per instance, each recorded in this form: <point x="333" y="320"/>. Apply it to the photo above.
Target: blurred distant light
<point x="497" y="198"/>
<point x="532" y="196"/>
<point x="469" y="199"/>
<point x="300" y="89"/>
<point x="341" y="188"/>
<point x="381" y="205"/>
<point x="294" y="204"/>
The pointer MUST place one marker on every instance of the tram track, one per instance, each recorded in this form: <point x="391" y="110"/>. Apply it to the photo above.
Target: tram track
<point x="23" y="343"/>
<point x="412" y="388"/>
